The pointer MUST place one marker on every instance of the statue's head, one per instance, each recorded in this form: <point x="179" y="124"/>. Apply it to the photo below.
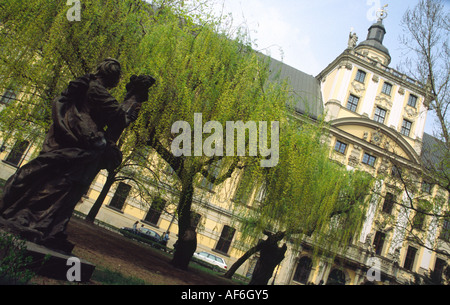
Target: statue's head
<point x="109" y="71"/>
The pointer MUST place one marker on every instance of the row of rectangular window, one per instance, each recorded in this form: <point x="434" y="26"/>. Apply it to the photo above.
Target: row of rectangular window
<point x="419" y="218"/>
<point x="387" y="88"/>
<point x="378" y="244"/>
<point x="379" y="116"/>
<point x="368" y="159"/>
<point x="410" y="256"/>
<point x="304" y="266"/>
<point x="157" y="207"/>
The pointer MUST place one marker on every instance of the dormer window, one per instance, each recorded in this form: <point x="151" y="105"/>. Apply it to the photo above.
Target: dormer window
<point x="387" y="88"/>
<point x="360" y="76"/>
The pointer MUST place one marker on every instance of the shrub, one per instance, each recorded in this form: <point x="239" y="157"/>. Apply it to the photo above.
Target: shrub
<point x="13" y="261"/>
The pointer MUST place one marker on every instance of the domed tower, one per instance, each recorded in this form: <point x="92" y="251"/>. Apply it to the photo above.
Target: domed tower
<point x="373" y="46"/>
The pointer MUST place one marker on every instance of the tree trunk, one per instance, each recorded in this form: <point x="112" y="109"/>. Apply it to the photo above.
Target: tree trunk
<point x="229" y="274"/>
<point x="187" y="237"/>
<point x="272" y="238"/>
<point x="110" y="179"/>
<point x="271" y="256"/>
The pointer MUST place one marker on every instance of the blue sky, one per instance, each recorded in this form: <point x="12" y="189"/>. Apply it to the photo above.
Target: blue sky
<point x="308" y="35"/>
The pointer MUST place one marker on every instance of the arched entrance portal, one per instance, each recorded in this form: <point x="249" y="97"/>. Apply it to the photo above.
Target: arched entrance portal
<point x="336" y="277"/>
<point x="303" y="270"/>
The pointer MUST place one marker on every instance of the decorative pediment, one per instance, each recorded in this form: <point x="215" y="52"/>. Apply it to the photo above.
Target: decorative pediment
<point x="358" y="87"/>
<point x="384" y="101"/>
<point x="411" y="112"/>
<point x="376" y="58"/>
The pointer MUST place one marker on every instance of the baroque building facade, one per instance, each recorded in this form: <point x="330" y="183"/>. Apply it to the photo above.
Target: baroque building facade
<point x="376" y="117"/>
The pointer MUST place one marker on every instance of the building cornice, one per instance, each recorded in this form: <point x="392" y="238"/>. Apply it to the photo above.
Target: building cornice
<point x="350" y="56"/>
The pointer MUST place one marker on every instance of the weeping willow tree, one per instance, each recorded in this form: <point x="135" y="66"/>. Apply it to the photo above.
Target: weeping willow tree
<point x="306" y="196"/>
<point x="41" y="51"/>
<point x="50" y="49"/>
<point x="199" y="70"/>
<point x="202" y="73"/>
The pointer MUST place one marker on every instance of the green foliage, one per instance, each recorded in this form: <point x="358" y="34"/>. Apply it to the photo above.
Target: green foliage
<point x="109" y="277"/>
<point x="307" y="194"/>
<point x="42" y="51"/>
<point x="199" y="68"/>
<point x="13" y="261"/>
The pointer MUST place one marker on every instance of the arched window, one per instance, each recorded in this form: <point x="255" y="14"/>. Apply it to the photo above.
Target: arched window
<point x="303" y="270"/>
<point x="336" y="277"/>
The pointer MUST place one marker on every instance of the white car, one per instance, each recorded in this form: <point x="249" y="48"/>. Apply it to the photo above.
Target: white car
<point x="211" y="258"/>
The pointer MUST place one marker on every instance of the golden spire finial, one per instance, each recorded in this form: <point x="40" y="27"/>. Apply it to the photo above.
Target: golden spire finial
<point x="382" y="13"/>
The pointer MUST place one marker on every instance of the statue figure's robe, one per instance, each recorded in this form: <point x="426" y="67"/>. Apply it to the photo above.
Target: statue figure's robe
<point x="39" y="199"/>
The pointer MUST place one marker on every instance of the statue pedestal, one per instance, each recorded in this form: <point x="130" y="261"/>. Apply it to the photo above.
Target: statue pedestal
<point x="52" y="264"/>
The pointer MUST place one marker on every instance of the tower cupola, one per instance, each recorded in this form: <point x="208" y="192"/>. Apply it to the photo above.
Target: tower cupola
<point x="373" y="46"/>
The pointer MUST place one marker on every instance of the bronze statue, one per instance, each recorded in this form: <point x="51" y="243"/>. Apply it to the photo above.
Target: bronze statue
<point x="39" y="199"/>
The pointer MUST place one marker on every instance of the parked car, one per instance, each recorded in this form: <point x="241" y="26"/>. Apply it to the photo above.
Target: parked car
<point x="211" y="259"/>
<point x="148" y="234"/>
